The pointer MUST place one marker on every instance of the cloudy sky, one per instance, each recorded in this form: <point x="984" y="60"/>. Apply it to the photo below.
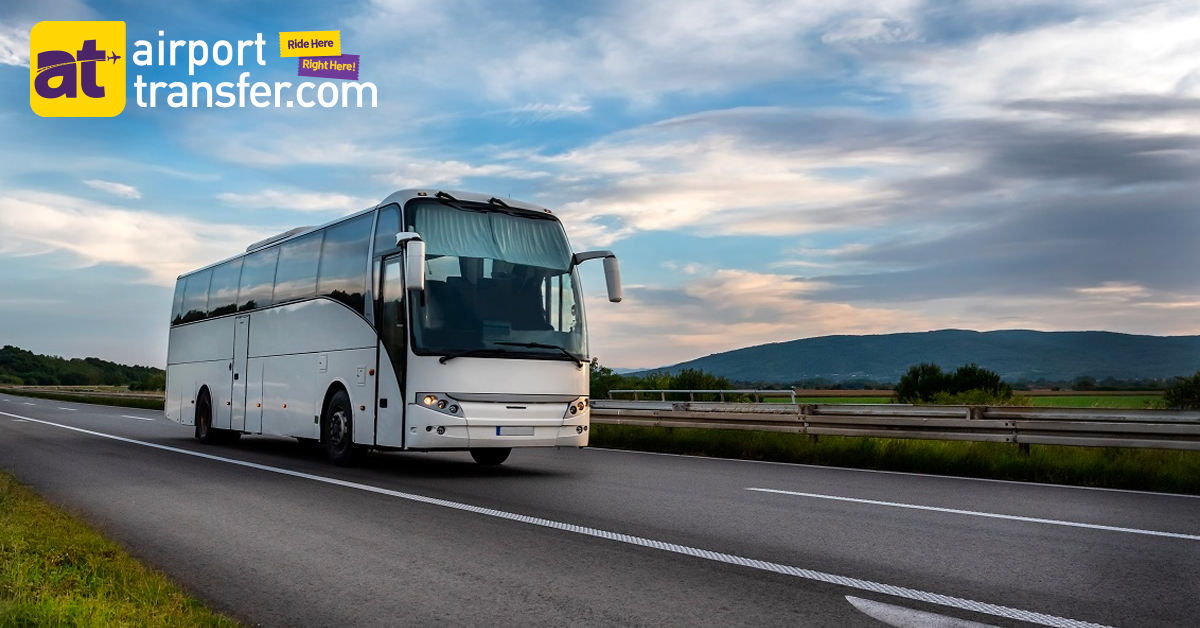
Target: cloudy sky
<point x="765" y="170"/>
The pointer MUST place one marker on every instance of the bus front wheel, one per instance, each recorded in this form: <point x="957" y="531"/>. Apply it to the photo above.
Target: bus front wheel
<point x="338" y="430"/>
<point x="491" y="456"/>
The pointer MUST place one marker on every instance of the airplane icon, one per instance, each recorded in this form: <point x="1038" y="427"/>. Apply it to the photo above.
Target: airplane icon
<point x="113" y="57"/>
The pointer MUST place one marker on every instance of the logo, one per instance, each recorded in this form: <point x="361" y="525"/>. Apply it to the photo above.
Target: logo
<point x="77" y="69"/>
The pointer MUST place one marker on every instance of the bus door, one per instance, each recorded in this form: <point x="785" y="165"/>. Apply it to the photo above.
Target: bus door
<point x="393" y="338"/>
<point x="241" y="345"/>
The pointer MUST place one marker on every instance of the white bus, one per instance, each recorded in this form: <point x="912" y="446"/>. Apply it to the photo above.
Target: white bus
<point x="432" y="321"/>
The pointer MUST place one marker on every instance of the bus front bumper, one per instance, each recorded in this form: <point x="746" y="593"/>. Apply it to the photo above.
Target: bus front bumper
<point x="429" y="429"/>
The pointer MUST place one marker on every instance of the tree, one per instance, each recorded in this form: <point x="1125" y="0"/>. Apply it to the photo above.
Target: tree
<point x="1183" y="393"/>
<point x="967" y="385"/>
<point x="920" y="383"/>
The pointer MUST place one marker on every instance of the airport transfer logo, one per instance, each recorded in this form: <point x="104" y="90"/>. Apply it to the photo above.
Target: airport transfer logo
<point x="77" y="69"/>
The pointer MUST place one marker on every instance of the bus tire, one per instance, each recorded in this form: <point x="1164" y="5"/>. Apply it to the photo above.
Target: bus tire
<point x="491" y="456"/>
<point x="205" y="432"/>
<point x="337" y="431"/>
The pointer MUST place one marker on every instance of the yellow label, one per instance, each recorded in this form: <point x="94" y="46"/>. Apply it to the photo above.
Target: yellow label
<point x="77" y="69"/>
<point x="310" y="44"/>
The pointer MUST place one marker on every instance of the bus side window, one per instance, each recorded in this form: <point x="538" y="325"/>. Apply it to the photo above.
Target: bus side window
<point x="386" y="230"/>
<point x="296" y="275"/>
<point x="195" y="297"/>
<point x="258" y="278"/>
<point x="223" y="292"/>
<point x="177" y="304"/>
<point x="342" y="274"/>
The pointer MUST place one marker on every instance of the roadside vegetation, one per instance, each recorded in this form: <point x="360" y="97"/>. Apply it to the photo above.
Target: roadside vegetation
<point x="1136" y="469"/>
<point x="19" y="367"/>
<point x="55" y="571"/>
<point x="111" y="398"/>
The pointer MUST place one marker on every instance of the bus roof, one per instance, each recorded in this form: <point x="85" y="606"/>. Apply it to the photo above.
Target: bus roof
<point x="399" y="198"/>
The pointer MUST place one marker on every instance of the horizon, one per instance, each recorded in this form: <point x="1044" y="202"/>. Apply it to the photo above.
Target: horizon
<point x="674" y="364"/>
<point x="762" y="170"/>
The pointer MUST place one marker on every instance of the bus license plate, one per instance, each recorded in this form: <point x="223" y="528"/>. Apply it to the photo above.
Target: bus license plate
<point x="514" y="431"/>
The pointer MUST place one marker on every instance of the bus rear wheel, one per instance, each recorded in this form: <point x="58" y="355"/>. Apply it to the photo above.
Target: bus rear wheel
<point x="337" y="430"/>
<point x="491" y="456"/>
<point x="205" y="432"/>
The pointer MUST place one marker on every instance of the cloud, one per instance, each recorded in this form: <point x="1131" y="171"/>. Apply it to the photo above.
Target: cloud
<point x="724" y="310"/>
<point x="297" y="201"/>
<point x="161" y="246"/>
<point x="116" y="189"/>
<point x="14" y="46"/>
<point x="541" y="111"/>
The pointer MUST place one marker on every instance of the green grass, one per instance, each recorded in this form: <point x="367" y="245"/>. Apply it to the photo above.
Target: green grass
<point x="145" y="403"/>
<point x="1137" y="469"/>
<point x="54" y="571"/>
<point x="1126" y="402"/>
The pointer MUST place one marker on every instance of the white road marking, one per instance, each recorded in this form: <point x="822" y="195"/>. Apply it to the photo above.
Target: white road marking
<point x="140" y="418"/>
<point x="902" y="617"/>
<point x="19" y="421"/>
<point x="68" y="409"/>
<point x="730" y="559"/>
<point x="992" y="515"/>
<point x="28" y="404"/>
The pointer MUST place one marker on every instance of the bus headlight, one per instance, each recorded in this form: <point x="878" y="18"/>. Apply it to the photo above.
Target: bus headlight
<point x="576" y="407"/>
<point x="440" y="402"/>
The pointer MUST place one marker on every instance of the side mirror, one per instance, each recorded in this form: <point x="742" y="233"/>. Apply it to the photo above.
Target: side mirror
<point x="612" y="272"/>
<point x="612" y="277"/>
<point x="414" y="260"/>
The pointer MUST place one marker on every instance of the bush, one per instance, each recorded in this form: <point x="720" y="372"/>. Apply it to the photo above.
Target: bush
<point x="968" y="385"/>
<point x="11" y="379"/>
<point x="1183" y="393"/>
<point x="921" y="383"/>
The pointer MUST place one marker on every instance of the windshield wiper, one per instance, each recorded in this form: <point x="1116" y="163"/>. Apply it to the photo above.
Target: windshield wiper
<point x="542" y="345"/>
<point x="477" y="351"/>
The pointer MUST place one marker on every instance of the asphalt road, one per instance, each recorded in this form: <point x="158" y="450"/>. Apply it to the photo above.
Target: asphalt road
<point x="270" y="533"/>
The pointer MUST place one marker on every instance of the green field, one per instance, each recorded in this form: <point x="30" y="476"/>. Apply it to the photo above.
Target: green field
<point x="55" y="571"/>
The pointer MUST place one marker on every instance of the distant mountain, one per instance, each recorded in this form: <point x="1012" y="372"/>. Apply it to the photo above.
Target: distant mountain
<point x="1015" y="354"/>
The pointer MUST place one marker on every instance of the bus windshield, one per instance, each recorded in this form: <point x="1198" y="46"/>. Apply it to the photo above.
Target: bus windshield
<point x="497" y="283"/>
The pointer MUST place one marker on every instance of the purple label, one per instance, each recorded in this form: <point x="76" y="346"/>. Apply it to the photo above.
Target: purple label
<point x="341" y="67"/>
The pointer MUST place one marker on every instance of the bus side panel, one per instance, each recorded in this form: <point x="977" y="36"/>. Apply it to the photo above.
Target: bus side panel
<point x="305" y="347"/>
<point x="354" y="370"/>
<point x="288" y="385"/>
<point x="391" y="419"/>
<point x="200" y="354"/>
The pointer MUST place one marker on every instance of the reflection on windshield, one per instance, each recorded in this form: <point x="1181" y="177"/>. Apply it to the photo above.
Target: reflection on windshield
<point x="495" y="281"/>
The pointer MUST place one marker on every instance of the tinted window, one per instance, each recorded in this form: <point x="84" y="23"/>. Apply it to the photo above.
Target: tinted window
<point x="258" y="278"/>
<point x="389" y="226"/>
<point x="195" y="297"/>
<point x="177" y="303"/>
<point x="223" y="291"/>
<point x="296" y="276"/>
<point x="343" y="272"/>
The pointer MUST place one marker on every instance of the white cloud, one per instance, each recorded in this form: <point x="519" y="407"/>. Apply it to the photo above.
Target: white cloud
<point x="116" y="189"/>
<point x="724" y="310"/>
<point x="297" y="201"/>
<point x="1125" y="50"/>
<point x="162" y="246"/>
<point x="14" y="46"/>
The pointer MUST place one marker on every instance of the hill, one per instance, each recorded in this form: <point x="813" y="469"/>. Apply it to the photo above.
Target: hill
<point x="18" y="366"/>
<point x="1015" y="354"/>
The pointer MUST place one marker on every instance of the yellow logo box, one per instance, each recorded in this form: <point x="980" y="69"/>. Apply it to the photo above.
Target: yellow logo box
<point x="310" y="44"/>
<point x="77" y="69"/>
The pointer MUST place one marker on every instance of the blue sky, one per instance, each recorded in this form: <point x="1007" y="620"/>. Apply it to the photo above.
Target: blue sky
<point x="765" y="170"/>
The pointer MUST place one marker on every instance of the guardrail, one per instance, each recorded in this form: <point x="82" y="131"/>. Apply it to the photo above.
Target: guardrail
<point x="1088" y="427"/>
<point x="662" y="394"/>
